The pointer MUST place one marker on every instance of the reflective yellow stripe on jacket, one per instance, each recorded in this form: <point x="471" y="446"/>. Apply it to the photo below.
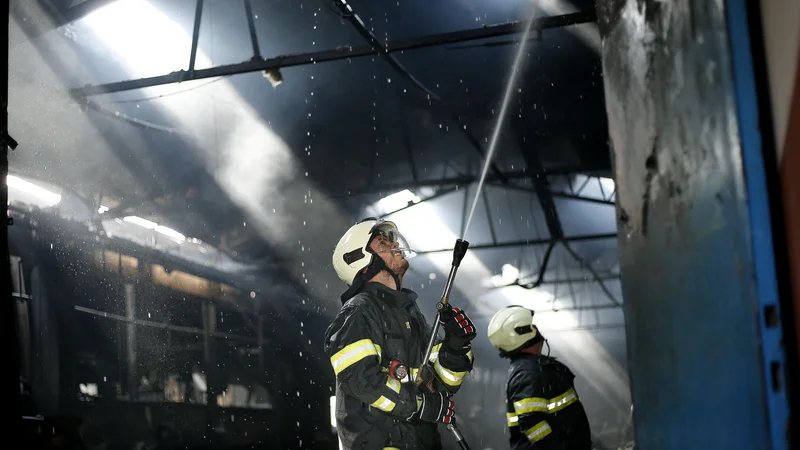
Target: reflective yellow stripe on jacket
<point x="553" y="405"/>
<point x="540" y="405"/>
<point x="538" y="431"/>
<point x="384" y="404"/>
<point x="393" y="384"/>
<point x="435" y="354"/>
<point x="354" y="353"/>
<point x="448" y="376"/>
<point x="513" y="420"/>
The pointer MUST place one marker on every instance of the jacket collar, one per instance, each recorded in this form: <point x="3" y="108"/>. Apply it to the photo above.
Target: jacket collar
<point x="391" y="296"/>
<point x="542" y="360"/>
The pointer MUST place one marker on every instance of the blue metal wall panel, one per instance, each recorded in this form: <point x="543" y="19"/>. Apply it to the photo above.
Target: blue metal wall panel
<point x="772" y="351"/>
<point x="695" y="254"/>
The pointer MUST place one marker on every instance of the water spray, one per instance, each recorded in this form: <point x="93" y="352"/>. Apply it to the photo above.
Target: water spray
<point x="512" y="81"/>
<point x="461" y="246"/>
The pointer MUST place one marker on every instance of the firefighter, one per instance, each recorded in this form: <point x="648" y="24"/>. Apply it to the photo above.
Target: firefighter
<point x="543" y="408"/>
<point x="376" y="344"/>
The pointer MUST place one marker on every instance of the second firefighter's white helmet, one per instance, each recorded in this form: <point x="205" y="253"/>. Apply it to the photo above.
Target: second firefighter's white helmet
<point x="512" y="328"/>
<point x="352" y="254"/>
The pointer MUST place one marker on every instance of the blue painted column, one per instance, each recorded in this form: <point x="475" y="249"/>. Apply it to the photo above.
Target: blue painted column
<point x="696" y="245"/>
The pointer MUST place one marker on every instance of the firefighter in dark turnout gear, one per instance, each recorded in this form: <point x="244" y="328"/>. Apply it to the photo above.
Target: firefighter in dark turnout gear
<point x="543" y="408"/>
<point x="376" y="344"/>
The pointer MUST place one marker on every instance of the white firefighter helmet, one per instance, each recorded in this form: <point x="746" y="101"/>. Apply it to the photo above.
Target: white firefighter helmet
<point x="352" y="254"/>
<point x="511" y="328"/>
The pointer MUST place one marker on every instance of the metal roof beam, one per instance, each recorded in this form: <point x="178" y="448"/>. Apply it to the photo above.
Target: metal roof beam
<point x="588" y="237"/>
<point x="339" y="53"/>
<point x="459" y="180"/>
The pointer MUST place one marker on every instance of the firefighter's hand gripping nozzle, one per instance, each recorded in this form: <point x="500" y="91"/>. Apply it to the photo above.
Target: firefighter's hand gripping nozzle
<point x="459" y="250"/>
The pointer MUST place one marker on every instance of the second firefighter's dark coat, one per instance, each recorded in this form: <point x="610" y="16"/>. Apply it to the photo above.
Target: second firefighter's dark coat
<point x="544" y="411"/>
<point x="373" y="328"/>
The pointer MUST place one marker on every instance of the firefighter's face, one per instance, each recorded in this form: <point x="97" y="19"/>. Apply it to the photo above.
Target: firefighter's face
<point x="394" y="260"/>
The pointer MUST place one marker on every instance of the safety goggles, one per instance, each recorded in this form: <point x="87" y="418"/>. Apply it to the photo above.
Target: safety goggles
<point x="389" y="236"/>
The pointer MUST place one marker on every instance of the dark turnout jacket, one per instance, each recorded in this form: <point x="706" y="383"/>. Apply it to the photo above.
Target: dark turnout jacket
<point x="373" y="328"/>
<point x="543" y="408"/>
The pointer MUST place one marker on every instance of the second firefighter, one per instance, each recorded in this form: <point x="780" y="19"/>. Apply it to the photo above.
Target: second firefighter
<point x="543" y="408"/>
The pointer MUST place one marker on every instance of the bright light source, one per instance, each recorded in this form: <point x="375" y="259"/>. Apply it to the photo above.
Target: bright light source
<point x="141" y="222"/>
<point x="199" y="381"/>
<point x="102" y="209"/>
<point x="509" y="275"/>
<point x="170" y="233"/>
<point x="161" y="51"/>
<point x="535" y="299"/>
<point x="89" y="389"/>
<point x="398" y="200"/>
<point x="333" y="411"/>
<point x="51" y="198"/>
<point x="608" y="185"/>
<point x="150" y="225"/>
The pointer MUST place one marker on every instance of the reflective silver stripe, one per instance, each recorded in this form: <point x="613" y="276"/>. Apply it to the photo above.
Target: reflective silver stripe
<point x="351" y="354"/>
<point x="384" y="404"/>
<point x="538" y="431"/>
<point x="513" y="419"/>
<point x="435" y="353"/>
<point x="529" y="405"/>
<point x="449" y="377"/>
<point x="535" y="404"/>
<point x="558" y="404"/>
<point x="393" y="384"/>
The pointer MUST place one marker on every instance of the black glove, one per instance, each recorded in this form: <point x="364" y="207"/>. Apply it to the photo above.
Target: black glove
<point x="458" y="328"/>
<point x="436" y="408"/>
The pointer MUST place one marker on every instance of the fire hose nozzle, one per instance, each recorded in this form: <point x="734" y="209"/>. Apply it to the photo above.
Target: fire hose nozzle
<point x="459" y="250"/>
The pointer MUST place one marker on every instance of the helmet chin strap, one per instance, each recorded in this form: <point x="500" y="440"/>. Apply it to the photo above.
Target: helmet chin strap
<point x="373" y="269"/>
<point x="378" y="265"/>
